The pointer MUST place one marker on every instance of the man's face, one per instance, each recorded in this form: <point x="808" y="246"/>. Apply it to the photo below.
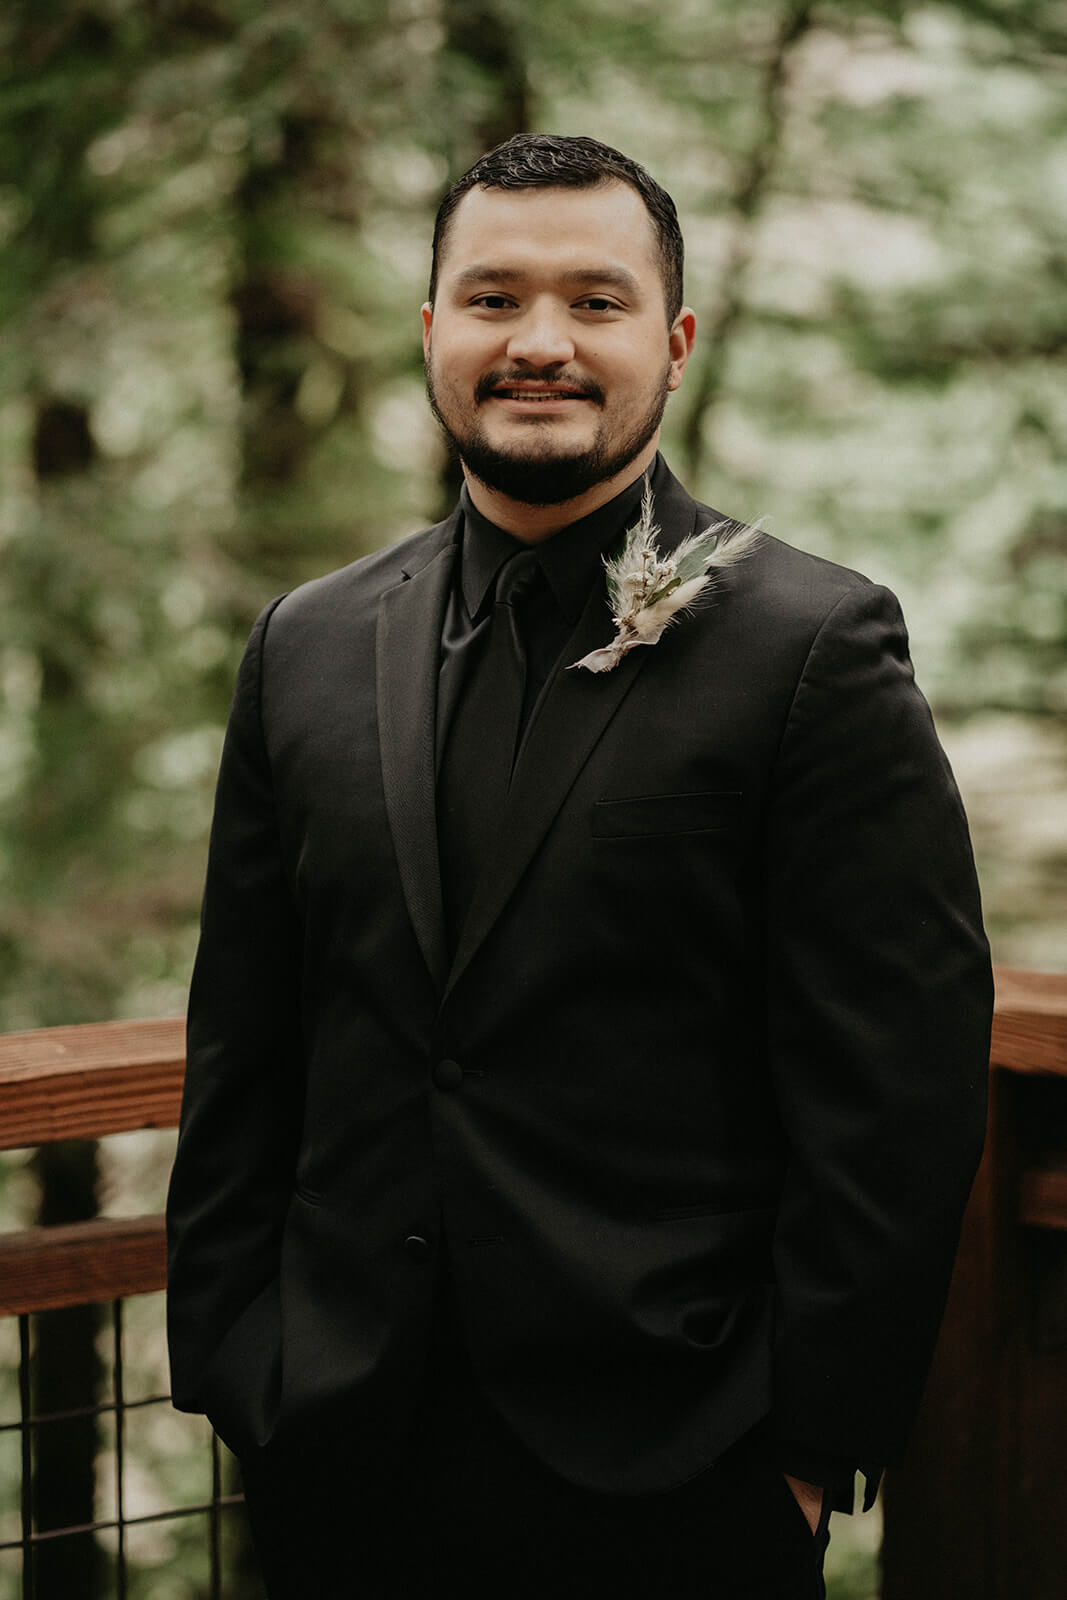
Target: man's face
<point x="548" y="354"/>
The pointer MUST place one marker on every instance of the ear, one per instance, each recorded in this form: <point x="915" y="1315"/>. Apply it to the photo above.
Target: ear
<point x="680" y="344"/>
<point x="427" y="318"/>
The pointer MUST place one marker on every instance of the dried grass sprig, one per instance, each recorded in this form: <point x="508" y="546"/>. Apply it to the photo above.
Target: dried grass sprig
<point x="647" y="590"/>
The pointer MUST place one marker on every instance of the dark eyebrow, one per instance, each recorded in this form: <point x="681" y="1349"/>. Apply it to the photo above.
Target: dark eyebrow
<point x="578" y="277"/>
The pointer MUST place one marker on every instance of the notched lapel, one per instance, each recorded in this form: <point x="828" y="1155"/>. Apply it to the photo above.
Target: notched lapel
<point x="409" y="631"/>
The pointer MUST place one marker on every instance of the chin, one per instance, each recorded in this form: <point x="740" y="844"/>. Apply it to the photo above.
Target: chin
<point x="538" y="454"/>
<point x="537" y="478"/>
<point x="538" y="435"/>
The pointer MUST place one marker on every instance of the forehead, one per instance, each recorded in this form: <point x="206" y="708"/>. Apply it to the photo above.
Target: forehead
<point x="552" y="228"/>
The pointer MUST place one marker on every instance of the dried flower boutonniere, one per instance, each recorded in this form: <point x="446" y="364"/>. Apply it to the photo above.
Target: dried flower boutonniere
<point x="648" y="590"/>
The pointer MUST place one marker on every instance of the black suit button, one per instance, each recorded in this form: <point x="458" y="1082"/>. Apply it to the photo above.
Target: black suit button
<point x="417" y="1247"/>
<point x="448" y="1074"/>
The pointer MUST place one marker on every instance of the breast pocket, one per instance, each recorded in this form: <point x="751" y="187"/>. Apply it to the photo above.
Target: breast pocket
<point x="659" y="815"/>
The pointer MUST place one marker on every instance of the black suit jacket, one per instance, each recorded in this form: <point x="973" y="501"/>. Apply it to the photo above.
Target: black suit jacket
<point x="721" y="1010"/>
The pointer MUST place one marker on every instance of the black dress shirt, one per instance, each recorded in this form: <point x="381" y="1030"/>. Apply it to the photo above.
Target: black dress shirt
<point x="571" y="562"/>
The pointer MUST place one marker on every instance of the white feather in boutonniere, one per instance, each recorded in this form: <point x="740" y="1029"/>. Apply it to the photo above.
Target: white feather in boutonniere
<point x="647" y="590"/>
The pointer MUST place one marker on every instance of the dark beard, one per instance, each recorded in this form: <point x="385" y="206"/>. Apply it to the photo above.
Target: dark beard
<point x="548" y="480"/>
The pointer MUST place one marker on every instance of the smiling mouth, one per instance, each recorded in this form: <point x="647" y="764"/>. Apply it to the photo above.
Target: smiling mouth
<point x="536" y="388"/>
<point x="537" y="395"/>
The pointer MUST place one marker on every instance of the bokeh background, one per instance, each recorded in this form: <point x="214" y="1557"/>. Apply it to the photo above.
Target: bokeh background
<point x="214" y="239"/>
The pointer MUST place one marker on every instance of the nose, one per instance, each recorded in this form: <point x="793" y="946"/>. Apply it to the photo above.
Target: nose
<point x="542" y="337"/>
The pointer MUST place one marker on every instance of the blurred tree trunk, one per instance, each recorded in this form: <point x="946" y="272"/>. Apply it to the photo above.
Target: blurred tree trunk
<point x="708" y="373"/>
<point x="66" y="1377"/>
<point x="479" y="38"/>
<point x="302" y="181"/>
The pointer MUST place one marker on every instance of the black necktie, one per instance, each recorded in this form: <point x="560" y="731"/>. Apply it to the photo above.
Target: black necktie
<point x="476" y="770"/>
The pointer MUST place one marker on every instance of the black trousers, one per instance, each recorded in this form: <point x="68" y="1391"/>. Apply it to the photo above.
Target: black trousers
<point x="467" y="1510"/>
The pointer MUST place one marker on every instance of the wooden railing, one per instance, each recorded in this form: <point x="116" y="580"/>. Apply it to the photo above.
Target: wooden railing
<point x="60" y="1084"/>
<point x="83" y="1083"/>
<point x="980" y="1508"/>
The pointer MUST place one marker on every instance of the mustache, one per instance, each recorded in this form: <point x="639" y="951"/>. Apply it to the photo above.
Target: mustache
<point x="587" y="387"/>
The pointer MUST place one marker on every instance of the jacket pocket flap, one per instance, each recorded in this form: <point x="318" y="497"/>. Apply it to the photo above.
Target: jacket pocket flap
<point x="653" y="814"/>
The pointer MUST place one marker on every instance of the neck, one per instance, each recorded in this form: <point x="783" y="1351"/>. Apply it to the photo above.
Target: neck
<point x="534" y="524"/>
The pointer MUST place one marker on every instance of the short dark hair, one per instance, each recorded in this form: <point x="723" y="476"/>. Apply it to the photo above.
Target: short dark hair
<point x="549" y="161"/>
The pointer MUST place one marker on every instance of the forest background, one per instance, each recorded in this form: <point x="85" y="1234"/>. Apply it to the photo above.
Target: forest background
<point x="214" y="222"/>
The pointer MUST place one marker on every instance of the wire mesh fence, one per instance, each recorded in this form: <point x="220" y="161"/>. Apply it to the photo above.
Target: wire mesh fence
<point x="124" y="1530"/>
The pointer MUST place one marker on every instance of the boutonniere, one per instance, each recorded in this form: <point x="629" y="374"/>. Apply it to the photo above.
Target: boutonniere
<point x="647" y="590"/>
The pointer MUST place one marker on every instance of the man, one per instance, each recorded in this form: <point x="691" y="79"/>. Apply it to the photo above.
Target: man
<point x="586" y="1066"/>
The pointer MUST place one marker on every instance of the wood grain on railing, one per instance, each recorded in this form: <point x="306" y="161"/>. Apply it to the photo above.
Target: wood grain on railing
<point x="87" y="1081"/>
<point x="1030" y="1022"/>
<point x="81" y="1263"/>
<point x="83" y="1083"/>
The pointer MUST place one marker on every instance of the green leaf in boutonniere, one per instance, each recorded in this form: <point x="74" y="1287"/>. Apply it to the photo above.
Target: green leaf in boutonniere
<point x="647" y="590"/>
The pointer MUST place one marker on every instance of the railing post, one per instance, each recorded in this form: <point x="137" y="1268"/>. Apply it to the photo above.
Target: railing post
<point x="979" y="1507"/>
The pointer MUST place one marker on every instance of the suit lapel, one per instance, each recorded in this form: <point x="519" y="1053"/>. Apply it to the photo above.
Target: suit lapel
<point x="410" y="616"/>
<point x="576" y="710"/>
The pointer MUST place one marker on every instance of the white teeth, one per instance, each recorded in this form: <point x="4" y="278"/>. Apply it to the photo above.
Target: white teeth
<point x="526" y="394"/>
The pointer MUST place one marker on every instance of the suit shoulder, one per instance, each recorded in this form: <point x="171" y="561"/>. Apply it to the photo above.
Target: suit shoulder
<point x="792" y="584"/>
<point x="355" y="589"/>
<point x="788" y="599"/>
<point x="816" y="572"/>
<point x="776" y="562"/>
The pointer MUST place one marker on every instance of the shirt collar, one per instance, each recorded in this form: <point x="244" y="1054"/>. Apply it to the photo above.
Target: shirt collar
<point x="569" y="559"/>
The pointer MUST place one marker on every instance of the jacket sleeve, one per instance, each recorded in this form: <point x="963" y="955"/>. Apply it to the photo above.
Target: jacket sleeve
<point x="232" y="1178"/>
<point x="878" y="1006"/>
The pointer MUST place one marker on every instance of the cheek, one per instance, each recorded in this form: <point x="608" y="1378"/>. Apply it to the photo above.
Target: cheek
<point x="635" y="364"/>
<point x="459" y="362"/>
